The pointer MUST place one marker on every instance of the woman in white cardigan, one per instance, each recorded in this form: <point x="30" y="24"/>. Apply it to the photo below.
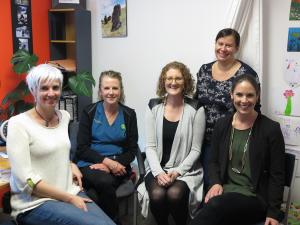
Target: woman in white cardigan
<point x="175" y="127"/>
<point x="45" y="185"/>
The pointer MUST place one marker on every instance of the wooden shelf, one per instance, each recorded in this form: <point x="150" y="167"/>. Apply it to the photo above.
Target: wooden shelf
<point x="61" y="10"/>
<point x="68" y="65"/>
<point x="63" y="41"/>
<point x="70" y="44"/>
<point x="2" y="148"/>
<point x="4" y="164"/>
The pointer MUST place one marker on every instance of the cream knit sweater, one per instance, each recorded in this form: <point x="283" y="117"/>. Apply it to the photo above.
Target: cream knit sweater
<point x="38" y="153"/>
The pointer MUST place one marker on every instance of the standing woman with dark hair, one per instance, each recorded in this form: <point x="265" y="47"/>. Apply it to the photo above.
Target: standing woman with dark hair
<point x="246" y="168"/>
<point x="175" y="126"/>
<point x="214" y="82"/>
<point x="107" y="142"/>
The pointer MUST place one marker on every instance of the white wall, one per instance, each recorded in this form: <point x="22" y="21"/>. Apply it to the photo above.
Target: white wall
<point x="163" y="31"/>
<point x="158" y="32"/>
<point x="276" y="24"/>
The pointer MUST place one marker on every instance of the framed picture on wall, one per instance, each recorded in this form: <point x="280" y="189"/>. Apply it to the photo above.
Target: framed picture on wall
<point x="114" y="18"/>
<point x="77" y="4"/>
<point x="21" y="25"/>
<point x="295" y="10"/>
<point x="293" y="39"/>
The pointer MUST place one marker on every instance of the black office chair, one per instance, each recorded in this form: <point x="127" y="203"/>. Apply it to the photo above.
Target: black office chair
<point x="3" y="131"/>
<point x="288" y="183"/>
<point x="128" y="189"/>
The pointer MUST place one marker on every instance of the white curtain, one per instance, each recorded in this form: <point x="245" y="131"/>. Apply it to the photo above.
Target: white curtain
<point x="246" y="17"/>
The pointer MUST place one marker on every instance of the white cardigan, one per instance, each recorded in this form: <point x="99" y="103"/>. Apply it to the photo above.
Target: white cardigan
<point x="185" y="152"/>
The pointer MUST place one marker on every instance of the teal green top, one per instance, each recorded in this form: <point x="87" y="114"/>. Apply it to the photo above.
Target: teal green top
<point x="239" y="174"/>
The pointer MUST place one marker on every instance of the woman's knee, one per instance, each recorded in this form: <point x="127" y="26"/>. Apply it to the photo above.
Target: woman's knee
<point x="61" y="213"/>
<point x="215" y="204"/>
<point x="104" y="183"/>
<point x="178" y="193"/>
<point x="157" y="194"/>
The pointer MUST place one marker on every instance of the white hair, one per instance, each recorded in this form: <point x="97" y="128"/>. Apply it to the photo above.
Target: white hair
<point x="41" y="73"/>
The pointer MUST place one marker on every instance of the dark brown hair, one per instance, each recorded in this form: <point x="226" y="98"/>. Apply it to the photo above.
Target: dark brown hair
<point x="229" y="32"/>
<point x="249" y="78"/>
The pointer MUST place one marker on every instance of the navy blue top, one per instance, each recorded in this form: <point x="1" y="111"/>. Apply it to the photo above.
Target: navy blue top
<point x="105" y="137"/>
<point x="214" y="95"/>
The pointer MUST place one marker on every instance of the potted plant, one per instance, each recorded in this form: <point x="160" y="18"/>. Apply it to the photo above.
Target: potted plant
<point x="15" y="101"/>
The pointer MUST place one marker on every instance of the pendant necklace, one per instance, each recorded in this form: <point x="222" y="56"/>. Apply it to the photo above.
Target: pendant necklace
<point x="236" y="170"/>
<point x="47" y="121"/>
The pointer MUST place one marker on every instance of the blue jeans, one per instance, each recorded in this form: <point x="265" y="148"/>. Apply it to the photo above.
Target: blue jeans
<point x="62" y="213"/>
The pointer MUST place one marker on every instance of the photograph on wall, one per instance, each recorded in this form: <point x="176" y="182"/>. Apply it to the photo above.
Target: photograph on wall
<point x="22" y="2"/>
<point x="114" y="18"/>
<point x="295" y="10"/>
<point x="69" y="1"/>
<point x="22" y="32"/>
<point x="293" y="39"/>
<point x="22" y="15"/>
<point x="21" y="25"/>
<point x="23" y="44"/>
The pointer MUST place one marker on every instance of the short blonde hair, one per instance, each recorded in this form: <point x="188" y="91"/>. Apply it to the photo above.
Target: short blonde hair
<point x="41" y="73"/>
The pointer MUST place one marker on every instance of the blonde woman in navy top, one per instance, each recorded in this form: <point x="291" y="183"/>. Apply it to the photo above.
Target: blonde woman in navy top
<point x="107" y="142"/>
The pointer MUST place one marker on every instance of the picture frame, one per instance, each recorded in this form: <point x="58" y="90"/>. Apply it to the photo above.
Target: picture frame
<point x="76" y="4"/>
<point x="21" y="25"/>
<point x="293" y="44"/>
<point x="114" y="18"/>
<point x="295" y="10"/>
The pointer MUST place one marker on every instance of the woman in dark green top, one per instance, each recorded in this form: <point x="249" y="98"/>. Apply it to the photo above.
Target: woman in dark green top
<point x="246" y="168"/>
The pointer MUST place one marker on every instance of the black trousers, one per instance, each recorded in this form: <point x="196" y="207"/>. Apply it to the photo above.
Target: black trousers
<point x="105" y="186"/>
<point x="231" y="209"/>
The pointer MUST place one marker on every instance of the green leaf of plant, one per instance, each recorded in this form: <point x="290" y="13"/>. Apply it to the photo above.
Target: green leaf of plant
<point x="16" y="94"/>
<point x="22" y="106"/>
<point x="10" y="97"/>
<point x="11" y="110"/>
<point x="81" y="83"/>
<point x="22" y="88"/>
<point x="22" y="61"/>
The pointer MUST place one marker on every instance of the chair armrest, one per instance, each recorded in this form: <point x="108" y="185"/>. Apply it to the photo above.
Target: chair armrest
<point x="73" y="130"/>
<point x="140" y="160"/>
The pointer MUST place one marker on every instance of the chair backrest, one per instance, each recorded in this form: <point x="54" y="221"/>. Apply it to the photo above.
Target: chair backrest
<point x="73" y="129"/>
<point x="289" y="168"/>
<point x="289" y="178"/>
<point x="289" y="181"/>
<point x="3" y="130"/>
<point x="140" y="157"/>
